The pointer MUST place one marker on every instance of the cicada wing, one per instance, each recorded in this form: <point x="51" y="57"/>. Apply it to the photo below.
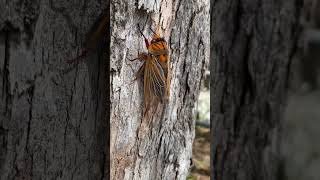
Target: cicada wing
<point x="140" y="72"/>
<point x="166" y="70"/>
<point x="154" y="81"/>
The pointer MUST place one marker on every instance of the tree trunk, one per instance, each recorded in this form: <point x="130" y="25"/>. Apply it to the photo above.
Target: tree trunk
<point x="52" y="115"/>
<point x="252" y="45"/>
<point x="160" y="147"/>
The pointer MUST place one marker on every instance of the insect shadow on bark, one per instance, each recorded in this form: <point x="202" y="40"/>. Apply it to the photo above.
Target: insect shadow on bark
<point x="95" y="53"/>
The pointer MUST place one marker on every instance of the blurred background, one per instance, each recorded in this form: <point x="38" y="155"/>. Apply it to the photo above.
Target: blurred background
<point x="200" y="169"/>
<point x="300" y="145"/>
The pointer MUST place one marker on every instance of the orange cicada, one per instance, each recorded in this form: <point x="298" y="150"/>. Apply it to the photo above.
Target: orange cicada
<point x="155" y="70"/>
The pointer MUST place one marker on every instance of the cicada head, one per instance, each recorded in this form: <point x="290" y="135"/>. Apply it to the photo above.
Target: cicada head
<point x="158" y="46"/>
<point x="156" y="36"/>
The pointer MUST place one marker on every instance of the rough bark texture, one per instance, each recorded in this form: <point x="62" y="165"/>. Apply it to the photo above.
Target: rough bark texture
<point x="159" y="148"/>
<point x="252" y="45"/>
<point x="52" y="115"/>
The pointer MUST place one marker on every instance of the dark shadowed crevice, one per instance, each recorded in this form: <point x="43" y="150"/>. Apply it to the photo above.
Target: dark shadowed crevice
<point x="5" y="75"/>
<point x="31" y="95"/>
<point x="3" y="145"/>
<point x="105" y="146"/>
<point x="11" y="36"/>
<point x="187" y="89"/>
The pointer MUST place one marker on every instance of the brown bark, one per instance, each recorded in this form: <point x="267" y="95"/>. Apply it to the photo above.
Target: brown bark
<point x="158" y="148"/>
<point x="252" y="45"/>
<point x="52" y="115"/>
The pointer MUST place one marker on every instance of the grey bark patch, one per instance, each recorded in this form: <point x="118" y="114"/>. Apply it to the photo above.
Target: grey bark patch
<point x="53" y="122"/>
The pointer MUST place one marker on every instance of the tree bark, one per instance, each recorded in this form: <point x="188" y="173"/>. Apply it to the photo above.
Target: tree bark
<point x="160" y="147"/>
<point x="52" y="115"/>
<point x="252" y="46"/>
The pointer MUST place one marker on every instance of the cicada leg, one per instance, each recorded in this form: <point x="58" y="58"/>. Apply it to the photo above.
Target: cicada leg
<point x="139" y="74"/>
<point x="144" y="57"/>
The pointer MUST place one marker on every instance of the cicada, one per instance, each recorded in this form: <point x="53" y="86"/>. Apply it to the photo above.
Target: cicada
<point x="154" y="70"/>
